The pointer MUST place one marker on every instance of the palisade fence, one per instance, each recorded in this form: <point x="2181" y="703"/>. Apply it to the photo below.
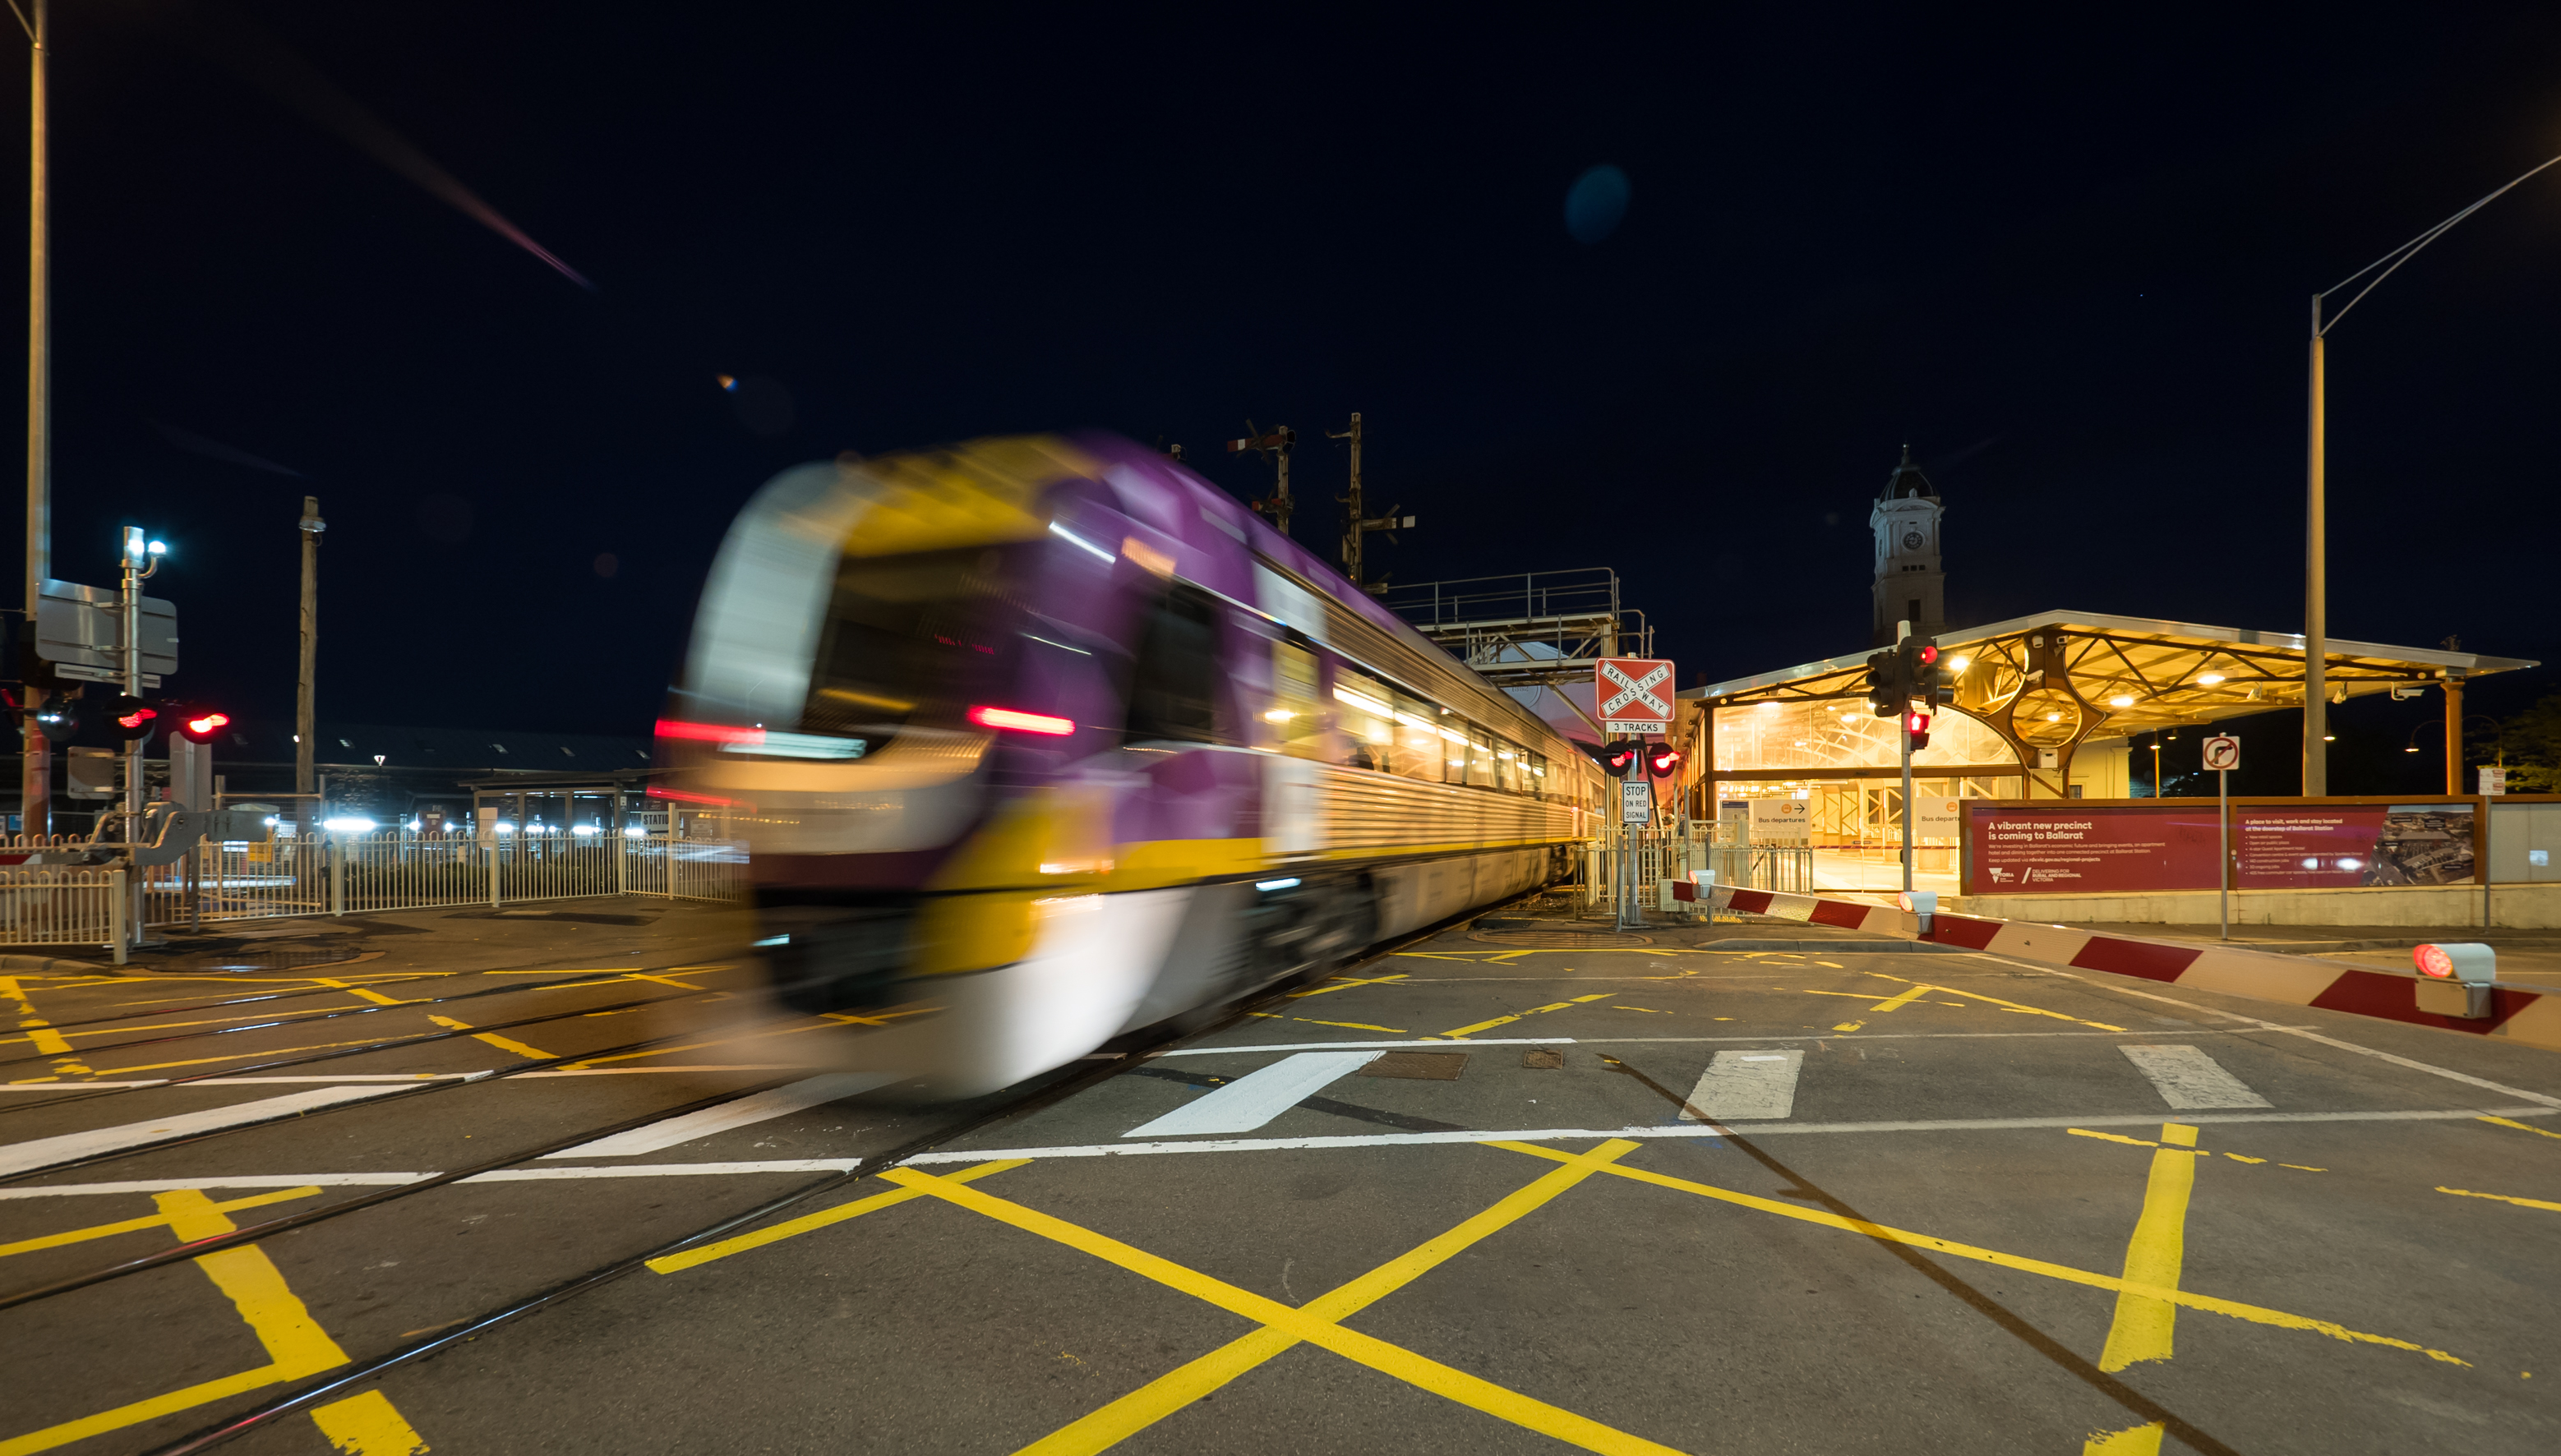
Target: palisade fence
<point x="1678" y="851"/>
<point x="330" y="875"/>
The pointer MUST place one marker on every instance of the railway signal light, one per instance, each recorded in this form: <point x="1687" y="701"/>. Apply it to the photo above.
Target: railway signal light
<point x="59" y="719"/>
<point x="1916" y="727"/>
<point x="1884" y="696"/>
<point x="131" y="716"/>
<point x="1662" y="761"/>
<point x="196" y="724"/>
<point x="1620" y="755"/>
<point x="1918" y="669"/>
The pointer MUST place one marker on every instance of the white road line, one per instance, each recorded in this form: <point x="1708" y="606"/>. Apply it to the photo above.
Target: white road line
<point x="1679" y="1040"/>
<point x="1746" y="1086"/>
<point x="379" y="1180"/>
<point x="2305" y="1032"/>
<point x="1246" y="1145"/>
<point x="19" y="1157"/>
<point x="1255" y="1099"/>
<point x="2189" y="1079"/>
<point x="810" y="1093"/>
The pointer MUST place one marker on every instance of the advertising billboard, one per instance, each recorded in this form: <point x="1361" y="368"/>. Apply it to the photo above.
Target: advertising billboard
<point x="2098" y="849"/>
<point x="2332" y="847"/>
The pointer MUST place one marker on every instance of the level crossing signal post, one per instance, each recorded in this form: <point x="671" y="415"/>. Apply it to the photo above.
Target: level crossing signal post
<point x="1634" y="695"/>
<point x="1902" y="683"/>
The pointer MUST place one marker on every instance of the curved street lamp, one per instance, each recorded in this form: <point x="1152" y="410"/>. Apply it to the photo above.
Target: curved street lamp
<point x="2316" y="535"/>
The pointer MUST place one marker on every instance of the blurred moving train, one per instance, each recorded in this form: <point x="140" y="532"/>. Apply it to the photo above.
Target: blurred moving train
<point x="1038" y="742"/>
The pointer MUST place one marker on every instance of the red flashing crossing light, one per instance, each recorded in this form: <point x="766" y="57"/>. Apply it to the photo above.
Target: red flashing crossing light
<point x="1662" y="761"/>
<point x="134" y="719"/>
<point x="1620" y="757"/>
<point x="1916" y="727"/>
<point x="199" y="725"/>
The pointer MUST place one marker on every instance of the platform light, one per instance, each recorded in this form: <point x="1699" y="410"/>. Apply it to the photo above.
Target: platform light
<point x="347" y="824"/>
<point x="633" y="831"/>
<point x="2209" y="679"/>
<point x="2121" y="700"/>
<point x="1960" y="664"/>
<point x="583" y="829"/>
<point x="1268" y="885"/>
<point x="1022" y="723"/>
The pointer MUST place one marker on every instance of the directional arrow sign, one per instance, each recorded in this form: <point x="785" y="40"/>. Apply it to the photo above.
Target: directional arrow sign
<point x="1636" y="694"/>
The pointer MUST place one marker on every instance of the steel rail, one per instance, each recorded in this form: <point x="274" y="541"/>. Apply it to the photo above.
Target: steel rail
<point x="305" y="1017"/>
<point x="466" y="1079"/>
<point x="215" y="1243"/>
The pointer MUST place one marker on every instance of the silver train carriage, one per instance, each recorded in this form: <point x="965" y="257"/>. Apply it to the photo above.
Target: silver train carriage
<point x="1039" y="741"/>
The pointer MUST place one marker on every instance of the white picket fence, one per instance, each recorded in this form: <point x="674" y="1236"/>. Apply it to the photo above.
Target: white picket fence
<point x="336" y="875"/>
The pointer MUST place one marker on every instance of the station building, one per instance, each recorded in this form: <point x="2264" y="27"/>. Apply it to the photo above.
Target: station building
<point x="2044" y="707"/>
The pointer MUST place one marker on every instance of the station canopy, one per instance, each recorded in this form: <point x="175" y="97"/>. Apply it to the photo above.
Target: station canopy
<point x="2059" y="678"/>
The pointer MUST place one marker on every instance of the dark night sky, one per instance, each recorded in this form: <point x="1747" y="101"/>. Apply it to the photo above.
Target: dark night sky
<point x="2071" y="260"/>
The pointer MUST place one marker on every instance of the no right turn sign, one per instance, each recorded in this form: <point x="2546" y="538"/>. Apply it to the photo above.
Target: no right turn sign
<point x="2222" y="751"/>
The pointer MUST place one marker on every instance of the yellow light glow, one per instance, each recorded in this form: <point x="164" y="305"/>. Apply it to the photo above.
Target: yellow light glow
<point x="2054" y="717"/>
<point x="1278" y="715"/>
<point x="1960" y="664"/>
<point x="2209" y="679"/>
<point x="2121" y="700"/>
<point x="1363" y="702"/>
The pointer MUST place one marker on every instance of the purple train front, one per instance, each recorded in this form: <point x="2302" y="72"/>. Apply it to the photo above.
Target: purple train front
<point x="1037" y="741"/>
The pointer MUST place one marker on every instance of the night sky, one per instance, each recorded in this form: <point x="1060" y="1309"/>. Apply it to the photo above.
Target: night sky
<point x="2069" y="261"/>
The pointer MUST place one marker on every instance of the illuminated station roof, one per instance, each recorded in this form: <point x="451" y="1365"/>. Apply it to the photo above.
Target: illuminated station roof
<point x="2127" y="675"/>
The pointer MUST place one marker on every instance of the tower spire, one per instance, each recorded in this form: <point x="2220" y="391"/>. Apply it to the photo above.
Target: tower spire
<point x="1910" y="584"/>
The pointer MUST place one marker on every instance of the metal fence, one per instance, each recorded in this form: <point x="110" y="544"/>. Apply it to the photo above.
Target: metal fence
<point x="60" y="907"/>
<point x="1679" y="853"/>
<point x="335" y="874"/>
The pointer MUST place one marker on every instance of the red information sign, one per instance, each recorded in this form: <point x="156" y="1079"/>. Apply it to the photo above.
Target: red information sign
<point x="2322" y="847"/>
<point x="2097" y="847"/>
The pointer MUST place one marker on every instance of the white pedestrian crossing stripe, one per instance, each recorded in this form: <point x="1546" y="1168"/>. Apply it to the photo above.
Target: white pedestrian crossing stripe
<point x="1746" y="1086"/>
<point x="1256" y="1099"/>
<point x="814" y="1091"/>
<point x="43" y="1152"/>
<point x="2190" y="1080"/>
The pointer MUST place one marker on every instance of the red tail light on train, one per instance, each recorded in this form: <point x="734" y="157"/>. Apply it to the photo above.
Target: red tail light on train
<point x="1021" y="723"/>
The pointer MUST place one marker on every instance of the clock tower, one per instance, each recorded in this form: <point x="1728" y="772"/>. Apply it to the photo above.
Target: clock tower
<point x="1909" y="587"/>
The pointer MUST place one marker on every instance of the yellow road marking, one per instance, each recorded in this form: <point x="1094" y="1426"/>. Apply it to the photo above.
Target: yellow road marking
<point x="1850" y="1026"/>
<point x="2011" y="1005"/>
<point x="2300" y="1167"/>
<point x="2238" y="1158"/>
<point x="2524" y="1127"/>
<point x="1312" y="1021"/>
<point x="2141" y="1440"/>
<point x="1346" y="985"/>
<point x="155" y="1220"/>
<point x="296" y="1346"/>
<point x="1288" y="1326"/>
<point x="503" y="1044"/>
<point x="2254" y="1314"/>
<point x="2143" y="1326"/>
<point x="1903" y="998"/>
<point x="39" y="1031"/>
<point x="2465" y="1193"/>
<point x="367" y="1426"/>
<point x="239" y="1057"/>
<point x="690" y="1259"/>
<point x="1168" y="1393"/>
<point x="376" y="997"/>
<point x="1567" y="1005"/>
<point x="1646" y="1008"/>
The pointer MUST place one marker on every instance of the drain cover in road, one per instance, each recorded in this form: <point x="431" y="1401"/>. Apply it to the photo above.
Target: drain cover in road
<point x="1546" y="1059"/>
<point x="1427" y="1066"/>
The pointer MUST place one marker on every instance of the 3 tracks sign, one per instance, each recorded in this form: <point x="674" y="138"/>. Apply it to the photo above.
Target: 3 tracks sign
<point x="1636" y="694"/>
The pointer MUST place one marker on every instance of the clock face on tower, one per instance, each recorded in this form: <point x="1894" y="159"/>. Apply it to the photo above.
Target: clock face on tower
<point x="1912" y="540"/>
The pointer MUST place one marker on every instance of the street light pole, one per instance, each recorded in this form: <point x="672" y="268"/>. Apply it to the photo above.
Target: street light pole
<point x="306" y="723"/>
<point x="2317" y="505"/>
<point x="36" y="783"/>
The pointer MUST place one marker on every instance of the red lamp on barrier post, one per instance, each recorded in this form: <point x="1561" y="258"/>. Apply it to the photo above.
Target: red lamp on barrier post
<point x="2473" y="966"/>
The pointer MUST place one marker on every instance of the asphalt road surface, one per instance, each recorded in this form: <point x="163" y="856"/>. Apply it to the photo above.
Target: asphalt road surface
<point x="1491" y="1193"/>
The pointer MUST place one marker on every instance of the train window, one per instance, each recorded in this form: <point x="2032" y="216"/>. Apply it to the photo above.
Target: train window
<point x="1295" y="722"/>
<point x="1538" y="780"/>
<point x="914" y="637"/>
<point x="1173" y="692"/>
<point x="1480" y="758"/>
<point x="1364" y="710"/>
<point x="1512" y="768"/>
<point x="1454" y="747"/>
<point x="1417" y="741"/>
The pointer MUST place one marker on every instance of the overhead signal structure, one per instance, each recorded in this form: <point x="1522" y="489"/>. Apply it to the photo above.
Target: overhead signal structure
<point x="1276" y="444"/>
<point x="1357" y="521"/>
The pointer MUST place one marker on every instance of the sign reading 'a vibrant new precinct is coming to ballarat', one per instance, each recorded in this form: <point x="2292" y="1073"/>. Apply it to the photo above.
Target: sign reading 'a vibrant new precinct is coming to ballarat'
<point x="2109" y="849"/>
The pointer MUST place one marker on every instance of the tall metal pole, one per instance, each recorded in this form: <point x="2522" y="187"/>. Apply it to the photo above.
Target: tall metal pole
<point x="2316" y="585"/>
<point x="2223" y="842"/>
<point x="36" y="781"/>
<point x="306" y="725"/>
<point x="1356" y="518"/>
<point x="1903" y="732"/>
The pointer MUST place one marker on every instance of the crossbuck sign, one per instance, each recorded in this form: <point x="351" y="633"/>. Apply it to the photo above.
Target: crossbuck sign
<point x="1636" y="694"/>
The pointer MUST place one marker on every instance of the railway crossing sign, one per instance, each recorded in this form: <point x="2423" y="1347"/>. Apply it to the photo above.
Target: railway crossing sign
<point x="2222" y="751"/>
<point x="1636" y="694"/>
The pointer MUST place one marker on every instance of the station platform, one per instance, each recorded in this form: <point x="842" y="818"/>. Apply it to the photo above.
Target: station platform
<point x="1506" y="1188"/>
